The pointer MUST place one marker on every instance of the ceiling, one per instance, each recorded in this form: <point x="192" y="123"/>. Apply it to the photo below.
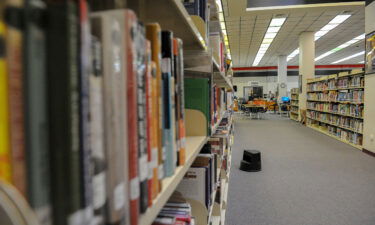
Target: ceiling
<point x="246" y="30"/>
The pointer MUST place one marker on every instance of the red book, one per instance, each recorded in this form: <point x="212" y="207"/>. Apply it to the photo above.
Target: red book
<point x="131" y="27"/>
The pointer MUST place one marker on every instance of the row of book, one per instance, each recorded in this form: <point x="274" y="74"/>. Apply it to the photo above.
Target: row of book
<point x="96" y="111"/>
<point x="337" y="120"/>
<point x="343" y="134"/>
<point x="355" y="96"/>
<point x="177" y="211"/>
<point x="202" y="180"/>
<point x="294" y="109"/>
<point x="351" y="82"/>
<point x="347" y="82"/>
<point x="322" y="85"/>
<point x="342" y="109"/>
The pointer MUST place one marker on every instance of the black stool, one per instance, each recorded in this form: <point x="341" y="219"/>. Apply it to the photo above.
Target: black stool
<point x="251" y="161"/>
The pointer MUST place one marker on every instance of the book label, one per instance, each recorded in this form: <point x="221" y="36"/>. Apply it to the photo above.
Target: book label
<point x="161" y="172"/>
<point x="134" y="188"/>
<point x="99" y="190"/>
<point x="76" y="218"/>
<point x="119" y="196"/>
<point x="143" y="170"/>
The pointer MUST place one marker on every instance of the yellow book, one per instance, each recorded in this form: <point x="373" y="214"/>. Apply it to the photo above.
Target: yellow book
<point x="5" y="164"/>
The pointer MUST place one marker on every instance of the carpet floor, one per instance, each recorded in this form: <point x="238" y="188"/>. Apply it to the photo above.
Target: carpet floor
<point x="307" y="178"/>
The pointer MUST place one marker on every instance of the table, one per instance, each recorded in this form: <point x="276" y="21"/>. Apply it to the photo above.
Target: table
<point x="251" y="109"/>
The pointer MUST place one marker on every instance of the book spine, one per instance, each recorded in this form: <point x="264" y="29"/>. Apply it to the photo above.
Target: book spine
<point x="150" y="123"/>
<point x="14" y="41"/>
<point x="181" y="105"/>
<point x="140" y="44"/>
<point x="105" y="26"/>
<point x="153" y="33"/>
<point x="176" y="75"/>
<point x="84" y="121"/>
<point x="169" y="163"/>
<point x="5" y="154"/>
<point x="63" y="94"/>
<point x="131" y="26"/>
<point x="154" y="130"/>
<point x="98" y="160"/>
<point x="36" y="116"/>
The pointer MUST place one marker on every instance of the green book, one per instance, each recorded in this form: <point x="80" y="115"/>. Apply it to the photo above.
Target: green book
<point x="36" y="122"/>
<point x="197" y="97"/>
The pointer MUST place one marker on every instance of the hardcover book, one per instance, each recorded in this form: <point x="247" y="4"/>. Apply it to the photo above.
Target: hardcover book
<point x="153" y="34"/>
<point x="106" y="26"/>
<point x="63" y="92"/>
<point x="36" y="111"/>
<point x="5" y="154"/>
<point x="131" y="26"/>
<point x="14" y="60"/>
<point x="169" y="140"/>
<point x="97" y="141"/>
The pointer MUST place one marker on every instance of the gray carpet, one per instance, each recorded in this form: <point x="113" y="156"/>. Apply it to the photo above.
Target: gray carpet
<point x="308" y="178"/>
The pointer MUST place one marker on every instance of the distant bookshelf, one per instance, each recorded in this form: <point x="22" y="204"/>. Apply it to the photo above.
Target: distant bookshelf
<point x="294" y="104"/>
<point x="335" y="106"/>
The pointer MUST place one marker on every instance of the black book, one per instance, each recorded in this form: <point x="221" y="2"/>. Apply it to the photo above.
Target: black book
<point x="63" y="93"/>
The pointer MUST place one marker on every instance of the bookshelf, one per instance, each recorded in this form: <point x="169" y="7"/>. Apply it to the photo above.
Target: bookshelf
<point x="335" y="106"/>
<point x="294" y="104"/>
<point x="172" y="15"/>
<point x="166" y="44"/>
<point x="193" y="146"/>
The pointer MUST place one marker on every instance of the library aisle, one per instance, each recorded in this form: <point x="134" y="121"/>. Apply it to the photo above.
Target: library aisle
<point x="307" y="178"/>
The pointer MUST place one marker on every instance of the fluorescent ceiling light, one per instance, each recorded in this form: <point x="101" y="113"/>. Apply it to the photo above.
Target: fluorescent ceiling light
<point x="273" y="29"/>
<point x="338" y="48"/>
<point x="277" y="22"/>
<point x="340" y="18"/>
<point x="361" y="62"/>
<point x="349" y="57"/>
<point x="271" y="33"/>
<point x="328" y="27"/>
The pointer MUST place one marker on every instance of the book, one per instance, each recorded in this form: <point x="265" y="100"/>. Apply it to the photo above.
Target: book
<point x="5" y="154"/>
<point x="151" y="102"/>
<point x="140" y="58"/>
<point x="154" y="131"/>
<point x="131" y="25"/>
<point x="105" y="26"/>
<point x="36" y="111"/>
<point x="97" y="141"/>
<point x="63" y="92"/>
<point x="14" y="59"/>
<point x="169" y="140"/>
<point x="84" y="111"/>
<point x="153" y="34"/>
<point x="180" y="100"/>
<point x="197" y="97"/>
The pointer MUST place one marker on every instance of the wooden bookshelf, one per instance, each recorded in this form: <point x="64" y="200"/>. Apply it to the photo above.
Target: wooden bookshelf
<point x="193" y="147"/>
<point x="333" y="136"/>
<point x="294" y="106"/>
<point x="336" y="91"/>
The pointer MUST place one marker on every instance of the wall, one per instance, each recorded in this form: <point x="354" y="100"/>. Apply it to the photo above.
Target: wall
<point x="369" y="117"/>
<point x="268" y="83"/>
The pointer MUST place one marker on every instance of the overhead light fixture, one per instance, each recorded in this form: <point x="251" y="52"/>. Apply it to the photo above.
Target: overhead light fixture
<point x="361" y="62"/>
<point x="327" y="28"/>
<point x="273" y="29"/>
<point x="338" y="48"/>
<point x="331" y="25"/>
<point x="349" y="57"/>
